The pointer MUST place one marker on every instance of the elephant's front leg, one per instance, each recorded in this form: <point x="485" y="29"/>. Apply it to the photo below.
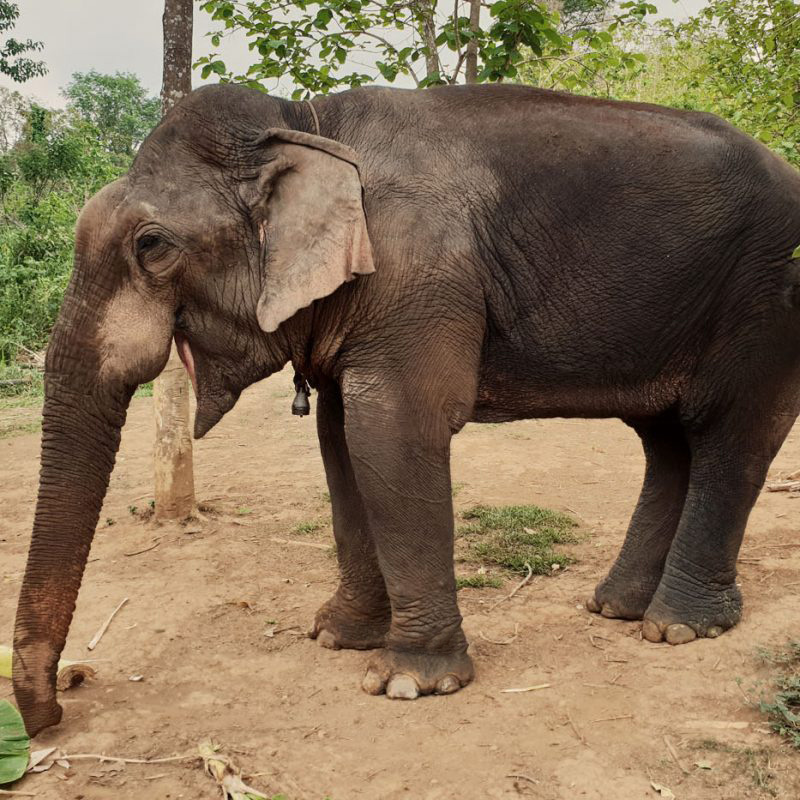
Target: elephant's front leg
<point x="400" y="450"/>
<point x="358" y="614"/>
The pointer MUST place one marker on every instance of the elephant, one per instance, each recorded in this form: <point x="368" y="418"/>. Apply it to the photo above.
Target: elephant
<point x="423" y="259"/>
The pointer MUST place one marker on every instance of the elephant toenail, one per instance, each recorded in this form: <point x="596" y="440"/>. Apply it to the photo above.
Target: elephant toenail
<point x="327" y="639"/>
<point x="592" y="605"/>
<point x="448" y="685"/>
<point x="651" y="631"/>
<point x="372" y="683"/>
<point x="714" y="631"/>
<point x="402" y="687"/>
<point x="608" y="612"/>
<point x="680" y="633"/>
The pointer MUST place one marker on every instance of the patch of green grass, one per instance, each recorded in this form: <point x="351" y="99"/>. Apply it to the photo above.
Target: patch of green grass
<point x="19" y="429"/>
<point x="144" y="390"/>
<point x="242" y="511"/>
<point x="782" y="709"/>
<point x="308" y="527"/>
<point x="456" y="488"/>
<point x="513" y="536"/>
<point x="478" y="581"/>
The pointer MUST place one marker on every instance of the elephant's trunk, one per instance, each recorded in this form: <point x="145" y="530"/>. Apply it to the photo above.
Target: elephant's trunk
<point x="80" y="436"/>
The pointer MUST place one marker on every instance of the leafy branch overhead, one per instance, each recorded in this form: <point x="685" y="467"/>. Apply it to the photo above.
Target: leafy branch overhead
<point x="13" y="62"/>
<point x="320" y="46"/>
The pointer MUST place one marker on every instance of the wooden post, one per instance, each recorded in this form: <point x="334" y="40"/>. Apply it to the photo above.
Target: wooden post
<point x="174" y="470"/>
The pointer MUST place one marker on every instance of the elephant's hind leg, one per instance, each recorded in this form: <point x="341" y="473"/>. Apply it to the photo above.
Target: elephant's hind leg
<point x="698" y="595"/>
<point x="633" y="579"/>
<point x="358" y="615"/>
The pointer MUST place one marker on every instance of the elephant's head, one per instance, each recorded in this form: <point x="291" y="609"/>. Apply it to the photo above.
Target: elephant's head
<point x="228" y="224"/>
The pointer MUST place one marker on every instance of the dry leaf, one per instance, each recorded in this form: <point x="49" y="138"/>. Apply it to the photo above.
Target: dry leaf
<point x="42" y="760"/>
<point x="226" y="774"/>
<point x="663" y="791"/>
<point x="703" y="765"/>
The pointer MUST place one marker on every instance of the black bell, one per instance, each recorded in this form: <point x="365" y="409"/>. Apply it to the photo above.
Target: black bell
<point x="300" y="406"/>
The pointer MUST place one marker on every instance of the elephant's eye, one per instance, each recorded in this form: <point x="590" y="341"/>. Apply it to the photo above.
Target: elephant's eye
<point x="150" y="248"/>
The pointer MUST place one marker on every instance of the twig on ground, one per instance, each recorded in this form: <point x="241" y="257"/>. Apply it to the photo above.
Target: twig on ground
<point x="521" y="777"/>
<point x="674" y="753"/>
<point x="516" y="588"/>
<point x="496" y="641"/>
<point x="527" y="689"/>
<point x="300" y="544"/>
<point x="575" y="729"/>
<point x="156" y="777"/>
<point x="146" y="549"/>
<point x="613" y="719"/>
<point x="9" y="793"/>
<point x="104" y="627"/>
<point x="783" y="486"/>
<point x="101" y="757"/>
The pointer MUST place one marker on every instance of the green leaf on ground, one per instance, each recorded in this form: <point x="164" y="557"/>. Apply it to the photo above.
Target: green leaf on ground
<point x="15" y="744"/>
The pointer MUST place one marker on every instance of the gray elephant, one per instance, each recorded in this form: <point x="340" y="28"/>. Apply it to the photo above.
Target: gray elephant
<point x="425" y="259"/>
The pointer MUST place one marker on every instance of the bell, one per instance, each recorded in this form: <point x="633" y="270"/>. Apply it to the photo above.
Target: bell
<point x="300" y="406"/>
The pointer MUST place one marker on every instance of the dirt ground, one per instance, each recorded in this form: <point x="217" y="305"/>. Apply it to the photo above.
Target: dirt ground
<point x="216" y="611"/>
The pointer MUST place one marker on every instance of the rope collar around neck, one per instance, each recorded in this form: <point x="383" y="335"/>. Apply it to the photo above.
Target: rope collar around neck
<point x="314" y="115"/>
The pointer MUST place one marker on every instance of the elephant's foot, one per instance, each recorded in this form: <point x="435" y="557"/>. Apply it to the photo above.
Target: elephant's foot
<point x="352" y="624"/>
<point x="619" y="598"/>
<point x="405" y="676"/>
<point x="680" y="618"/>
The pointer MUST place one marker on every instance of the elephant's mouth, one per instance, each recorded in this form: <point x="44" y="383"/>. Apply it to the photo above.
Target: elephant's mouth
<point x="185" y="352"/>
<point x="214" y="393"/>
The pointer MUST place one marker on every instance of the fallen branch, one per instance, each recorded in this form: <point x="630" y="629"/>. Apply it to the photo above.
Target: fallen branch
<point x="104" y="627"/>
<point x="613" y="719"/>
<point x="101" y="757"/>
<point x="9" y="793"/>
<point x="516" y="588"/>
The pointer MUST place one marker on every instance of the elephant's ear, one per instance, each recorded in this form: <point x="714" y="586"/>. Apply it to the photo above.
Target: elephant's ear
<point x="307" y="201"/>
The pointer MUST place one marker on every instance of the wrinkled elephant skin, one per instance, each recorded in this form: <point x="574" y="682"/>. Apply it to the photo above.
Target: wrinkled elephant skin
<point x="425" y="259"/>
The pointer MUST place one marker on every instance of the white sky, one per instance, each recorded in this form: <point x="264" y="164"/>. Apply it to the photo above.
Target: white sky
<point x="125" y="36"/>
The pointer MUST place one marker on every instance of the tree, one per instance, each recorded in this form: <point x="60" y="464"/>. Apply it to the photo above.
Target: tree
<point x="313" y="42"/>
<point x="174" y="470"/>
<point x="12" y="61"/>
<point x="117" y="106"/>
<point x="751" y="55"/>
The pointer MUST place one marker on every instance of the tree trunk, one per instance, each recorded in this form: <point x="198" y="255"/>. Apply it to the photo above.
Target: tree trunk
<point x="471" y="61"/>
<point x="174" y="471"/>
<point x="426" y="9"/>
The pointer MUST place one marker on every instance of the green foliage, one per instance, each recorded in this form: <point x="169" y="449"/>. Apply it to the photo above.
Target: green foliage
<point x="515" y="536"/>
<point x="308" y="527"/>
<point x="57" y="162"/>
<point x="311" y="43"/>
<point x="783" y="708"/>
<point x="12" y="61"/>
<point x="116" y="106"/>
<point x="737" y="58"/>
<point x="751" y="64"/>
<point x="15" y="745"/>
<point x="478" y="580"/>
